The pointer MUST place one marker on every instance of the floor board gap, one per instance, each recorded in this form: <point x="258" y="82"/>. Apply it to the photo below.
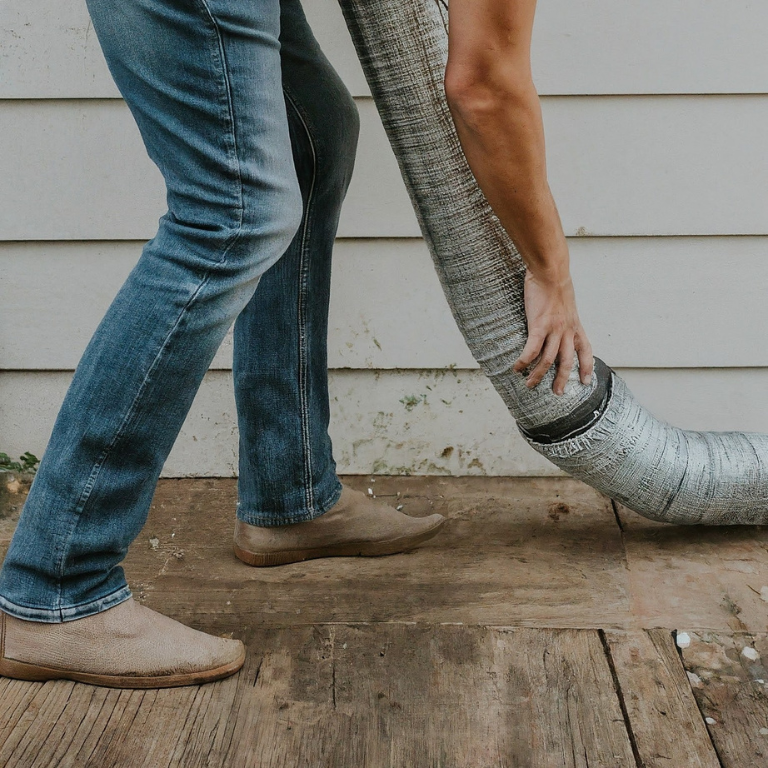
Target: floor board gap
<point x="620" y="697"/>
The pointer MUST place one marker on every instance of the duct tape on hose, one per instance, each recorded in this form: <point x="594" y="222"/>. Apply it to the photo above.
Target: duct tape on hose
<point x="665" y="473"/>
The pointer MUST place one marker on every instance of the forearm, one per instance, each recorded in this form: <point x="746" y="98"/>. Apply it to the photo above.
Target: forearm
<point x="497" y="114"/>
<point x="502" y="135"/>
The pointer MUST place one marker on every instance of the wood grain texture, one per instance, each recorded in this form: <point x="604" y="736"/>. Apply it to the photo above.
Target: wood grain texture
<point x="510" y="555"/>
<point x="509" y="640"/>
<point x="478" y="697"/>
<point x="49" y="49"/>
<point x="344" y="696"/>
<point x="531" y="553"/>
<point x="732" y="692"/>
<point x="667" y="726"/>
<point x="698" y="577"/>
<point x="14" y="487"/>
<point x="618" y="166"/>
<point x="388" y="312"/>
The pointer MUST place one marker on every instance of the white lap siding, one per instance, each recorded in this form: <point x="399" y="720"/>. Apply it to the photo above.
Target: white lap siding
<point x="655" y="117"/>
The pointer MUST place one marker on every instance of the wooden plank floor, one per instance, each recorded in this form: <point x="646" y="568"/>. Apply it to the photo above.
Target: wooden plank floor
<point x="544" y="627"/>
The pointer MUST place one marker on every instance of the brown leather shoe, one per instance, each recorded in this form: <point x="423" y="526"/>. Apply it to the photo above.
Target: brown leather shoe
<point x="355" y="525"/>
<point x="128" y="646"/>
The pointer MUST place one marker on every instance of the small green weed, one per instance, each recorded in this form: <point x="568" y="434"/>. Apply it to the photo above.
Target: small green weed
<point x="27" y="463"/>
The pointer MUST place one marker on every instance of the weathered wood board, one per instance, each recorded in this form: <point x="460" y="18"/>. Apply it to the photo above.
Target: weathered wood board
<point x="514" y="552"/>
<point x="14" y="487"/>
<point x="666" y="725"/>
<point x="510" y="555"/>
<point x="729" y="677"/>
<point x="696" y="577"/>
<point x="345" y="696"/>
<point x="513" y="639"/>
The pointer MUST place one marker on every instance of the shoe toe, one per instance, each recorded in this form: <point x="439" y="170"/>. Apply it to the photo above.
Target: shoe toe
<point x="434" y="522"/>
<point x="233" y="653"/>
<point x="216" y="652"/>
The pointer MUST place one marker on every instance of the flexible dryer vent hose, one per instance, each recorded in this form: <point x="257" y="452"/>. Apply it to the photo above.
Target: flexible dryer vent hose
<point x="597" y="433"/>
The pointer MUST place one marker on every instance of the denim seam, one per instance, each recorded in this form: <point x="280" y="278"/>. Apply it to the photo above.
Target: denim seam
<point x="303" y="363"/>
<point x="81" y="610"/>
<point x="233" y="153"/>
<point x="85" y="495"/>
<point x="268" y="519"/>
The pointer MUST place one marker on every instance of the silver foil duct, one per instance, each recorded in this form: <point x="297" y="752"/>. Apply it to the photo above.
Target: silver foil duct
<point x="597" y="433"/>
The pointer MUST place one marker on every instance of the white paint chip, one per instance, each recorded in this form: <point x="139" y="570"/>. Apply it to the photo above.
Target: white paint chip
<point x="710" y="721"/>
<point x="694" y="679"/>
<point x="750" y="653"/>
<point x="764" y="731"/>
<point x="154" y="543"/>
<point x="399" y="507"/>
<point x="683" y="639"/>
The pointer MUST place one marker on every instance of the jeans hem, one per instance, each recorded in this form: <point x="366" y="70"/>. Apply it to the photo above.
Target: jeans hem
<point x="69" y="613"/>
<point x="272" y="519"/>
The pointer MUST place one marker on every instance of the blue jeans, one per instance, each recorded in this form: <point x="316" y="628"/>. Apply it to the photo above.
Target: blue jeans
<point x="255" y="136"/>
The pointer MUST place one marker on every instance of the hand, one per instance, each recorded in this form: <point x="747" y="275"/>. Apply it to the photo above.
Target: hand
<point x="554" y="333"/>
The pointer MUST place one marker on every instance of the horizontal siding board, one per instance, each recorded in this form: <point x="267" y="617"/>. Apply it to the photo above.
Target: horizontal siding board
<point x="659" y="165"/>
<point x="646" y="302"/>
<point x="374" y="431"/>
<point x="650" y="46"/>
<point x="48" y="48"/>
<point x="680" y="317"/>
<point x="77" y="170"/>
<point x="618" y="166"/>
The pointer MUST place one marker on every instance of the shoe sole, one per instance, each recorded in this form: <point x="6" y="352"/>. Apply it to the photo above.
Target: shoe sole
<point x="354" y="549"/>
<point x="21" y="670"/>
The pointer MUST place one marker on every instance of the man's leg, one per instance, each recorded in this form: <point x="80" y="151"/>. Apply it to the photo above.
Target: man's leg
<point x="203" y="80"/>
<point x="287" y="471"/>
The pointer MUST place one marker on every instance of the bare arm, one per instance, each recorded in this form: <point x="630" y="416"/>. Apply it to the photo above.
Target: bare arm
<point x="498" y="118"/>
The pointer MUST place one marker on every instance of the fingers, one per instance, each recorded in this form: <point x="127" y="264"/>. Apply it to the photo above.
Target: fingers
<point x="586" y="360"/>
<point x="564" y="365"/>
<point x="531" y="351"/>
<point x="546" y="361"/>
<point x="545" y="351"/>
